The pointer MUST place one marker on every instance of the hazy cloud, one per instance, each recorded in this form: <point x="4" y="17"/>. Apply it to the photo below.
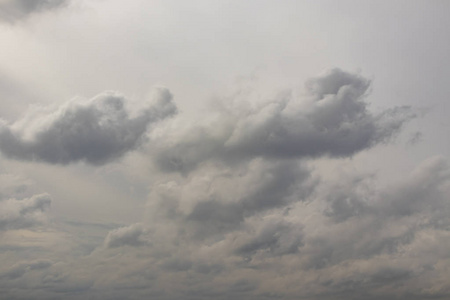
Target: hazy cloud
<point x="20" y="269"/>
<point x="96" y="131"/>
<point x="23" y="213"/>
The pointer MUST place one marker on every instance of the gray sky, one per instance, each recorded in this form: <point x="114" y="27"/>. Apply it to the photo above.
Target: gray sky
<point x="224" y="149"/>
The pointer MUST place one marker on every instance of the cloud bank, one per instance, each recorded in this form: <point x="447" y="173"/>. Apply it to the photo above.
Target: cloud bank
<point x="237" y="207"/>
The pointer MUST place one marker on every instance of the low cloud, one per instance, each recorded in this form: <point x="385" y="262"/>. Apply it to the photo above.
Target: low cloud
<point x="96" y="132"/>
<point x="13" y="10"/>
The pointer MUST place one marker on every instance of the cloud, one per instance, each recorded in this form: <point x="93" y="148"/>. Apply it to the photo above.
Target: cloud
<point x="422" y="191"/>
<point x="96" y="132"/>
<point x="125" y="236"/>
<point x="276" y="238"/>
<point x="21" y="269"/>
<point x="254" y="222"/>
<point x="13" y="10"/>
<point x="24" y="213"/>
<point x="218" y="199"/>
<point x="263" y="186"/>
<point x="332" y="120"/>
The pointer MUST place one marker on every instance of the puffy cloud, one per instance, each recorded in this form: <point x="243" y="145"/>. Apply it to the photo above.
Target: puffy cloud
<point x="96" y="131"/>
<point x="17" y="214"/>
<point x="12" y="10"/>
<point x="332" y="120"/>
<point x="125" y="236"/>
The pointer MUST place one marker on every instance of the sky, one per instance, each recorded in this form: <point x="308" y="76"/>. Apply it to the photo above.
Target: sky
<point x="224" y="149"/>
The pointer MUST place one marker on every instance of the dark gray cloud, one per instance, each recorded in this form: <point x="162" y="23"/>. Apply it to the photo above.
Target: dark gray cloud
<point x="12" y="10"/>
<point x="95" y="132"/>
<point x="23" y="213"/>
<point x="333" y="119"/>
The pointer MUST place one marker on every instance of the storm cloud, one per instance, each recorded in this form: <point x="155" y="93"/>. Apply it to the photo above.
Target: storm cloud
<point x="95" y="131"/>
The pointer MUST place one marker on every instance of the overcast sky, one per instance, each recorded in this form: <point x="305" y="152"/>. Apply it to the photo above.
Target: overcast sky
<point x="224" y="149"/>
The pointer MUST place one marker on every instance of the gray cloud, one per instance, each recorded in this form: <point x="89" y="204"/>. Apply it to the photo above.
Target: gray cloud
<point x="289" y="250"/>
<point x="422" y="191"/>
<point x="222" y="201"/>
<point x="276" y="238"/>
<point x="332" y="120"/>
<point x="20" y="269"/>
<point x="369" y="223"/>
<point x="241" y="220"/>
<point x="265" y="186"/>
<point x="125" y="236"/>
<point x="96" y="131"/>
<point x="12" y="10"/>
<point x="24" y="213"/>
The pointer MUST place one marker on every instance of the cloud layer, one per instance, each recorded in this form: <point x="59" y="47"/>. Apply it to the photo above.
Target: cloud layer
<point x="237" y="205"/>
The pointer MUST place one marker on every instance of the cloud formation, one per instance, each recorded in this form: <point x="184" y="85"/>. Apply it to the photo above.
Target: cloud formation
<point x="12" y="10"/>
<point x="246" y="212"/>
<point x="332" y="120"/>
<point x="96" y="132"/>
